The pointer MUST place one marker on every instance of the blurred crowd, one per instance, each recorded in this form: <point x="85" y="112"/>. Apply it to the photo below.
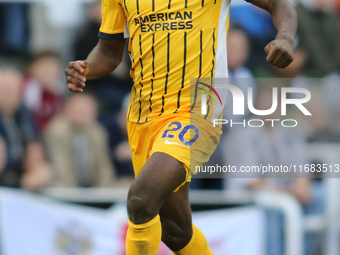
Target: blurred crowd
<point x="49" y="137"/>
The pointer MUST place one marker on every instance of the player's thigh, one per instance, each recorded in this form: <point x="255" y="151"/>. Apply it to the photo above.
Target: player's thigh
<point x="190" y="140"/>
<point x="176" y="218"/>
<point x="157" y="180"/>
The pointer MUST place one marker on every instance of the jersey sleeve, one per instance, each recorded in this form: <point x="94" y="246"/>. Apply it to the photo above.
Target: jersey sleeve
<point x="113" y="20"/>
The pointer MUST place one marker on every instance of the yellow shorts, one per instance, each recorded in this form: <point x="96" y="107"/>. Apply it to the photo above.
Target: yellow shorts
<point x="185" y="136"/>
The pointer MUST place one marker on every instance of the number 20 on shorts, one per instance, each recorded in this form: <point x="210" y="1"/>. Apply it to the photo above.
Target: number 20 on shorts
<point x="177" y="126"/>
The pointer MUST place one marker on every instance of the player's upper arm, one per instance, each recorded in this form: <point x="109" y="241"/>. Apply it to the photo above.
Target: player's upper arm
<point x="113" y="21"/>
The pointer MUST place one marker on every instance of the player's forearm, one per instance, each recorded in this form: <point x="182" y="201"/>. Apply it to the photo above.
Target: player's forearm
<point x="102" y="61"/>
<point x="284" y="18"/>
<point x="280" y="51"/>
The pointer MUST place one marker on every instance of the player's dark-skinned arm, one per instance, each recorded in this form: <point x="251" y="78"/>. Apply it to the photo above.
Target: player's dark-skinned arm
<point x="102" y="60"/>
<point x="280" y="51"/>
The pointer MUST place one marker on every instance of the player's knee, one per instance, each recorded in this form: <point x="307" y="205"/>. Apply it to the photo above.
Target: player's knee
<point x="140" y="207"/>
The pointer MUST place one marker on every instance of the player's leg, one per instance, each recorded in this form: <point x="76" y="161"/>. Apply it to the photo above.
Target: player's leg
<point x="156" y="181"/>
<point x="178" y="232"/>
<point x="176" y="219"/>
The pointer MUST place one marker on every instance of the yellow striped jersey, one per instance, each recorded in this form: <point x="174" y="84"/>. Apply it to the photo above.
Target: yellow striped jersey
<point x="171" y="42"/>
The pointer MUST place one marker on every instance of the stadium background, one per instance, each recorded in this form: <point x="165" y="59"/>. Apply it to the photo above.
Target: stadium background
<point x="65" y="164"/>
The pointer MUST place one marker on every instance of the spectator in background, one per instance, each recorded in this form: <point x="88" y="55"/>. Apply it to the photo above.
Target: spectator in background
<point x="294" y="74"/>
<point x="238" y="53"/>
<point x="324" y="104"/>
<point x="247" y="146"/>
<point x="14" y="29"/>
<point x="238" y="48"/>
<point x="25" y="165"/>
<point x="324" y="126"/>
<point x="43" y="87"/>
<point x="3" y="158"/>
<point x="337" y="7"/>
<point x="319" y="34"/>
<point x="119" y="144"/>
<point x="259" y="27"/>
<point x="88" y="38"/>
<point x="110" y="90"/>
<point x="77" y="146"/>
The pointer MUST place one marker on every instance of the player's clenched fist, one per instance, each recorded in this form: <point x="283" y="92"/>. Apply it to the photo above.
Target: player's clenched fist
<point x="76" y="73"/>
<point x="280" y="53"/>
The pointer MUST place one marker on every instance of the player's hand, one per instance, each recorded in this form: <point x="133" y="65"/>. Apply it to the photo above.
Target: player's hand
<point x="76" y="73"/>
<point x="279" y="53"/>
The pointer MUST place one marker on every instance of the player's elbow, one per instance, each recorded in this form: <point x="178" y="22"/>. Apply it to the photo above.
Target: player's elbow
<point x="114" y="62"/>
<point x="112" y="51"/>
<point x="275" y="5"/>
<point x="272" y="5"/>
<point x="118" y="59"/>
